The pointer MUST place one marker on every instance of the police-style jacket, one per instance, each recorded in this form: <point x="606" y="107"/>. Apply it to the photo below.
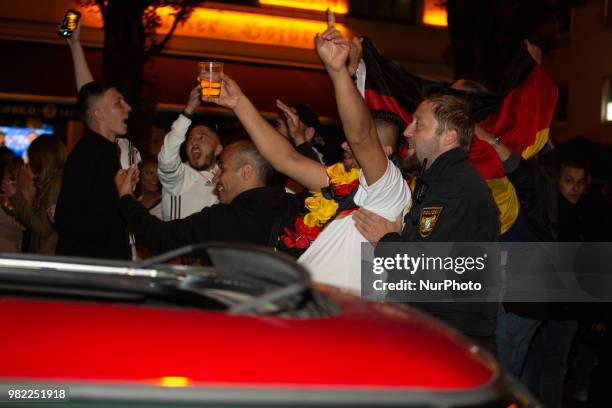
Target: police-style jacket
<point x="452" y="203"/>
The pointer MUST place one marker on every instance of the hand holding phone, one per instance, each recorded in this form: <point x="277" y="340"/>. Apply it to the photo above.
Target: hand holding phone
<point x="69" y="23"/>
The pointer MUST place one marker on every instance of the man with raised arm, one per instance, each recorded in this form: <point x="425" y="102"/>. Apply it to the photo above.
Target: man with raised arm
<point x="334" y="257"/>
<point x="82" y="74"/>
<point x="188" y="187"/>
<point x="249" y="211"/>
<point x="87" y="216"/>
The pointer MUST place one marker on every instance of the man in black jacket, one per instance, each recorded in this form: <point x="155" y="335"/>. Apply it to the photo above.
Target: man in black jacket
<point x="248" y="212"/>
<point x="87" y="215"/>
<point x="452" y="203"/>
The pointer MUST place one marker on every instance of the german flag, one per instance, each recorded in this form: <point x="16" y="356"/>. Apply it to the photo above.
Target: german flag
<point x="520" y="112"/>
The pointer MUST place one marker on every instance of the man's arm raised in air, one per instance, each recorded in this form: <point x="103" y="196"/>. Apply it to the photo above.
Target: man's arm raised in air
<point x="359" y="128"/>
<point x="81" y="69"/>
<point x="271" y="144"/>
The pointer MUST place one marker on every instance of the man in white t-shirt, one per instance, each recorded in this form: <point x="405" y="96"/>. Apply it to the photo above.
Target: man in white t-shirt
<point x="334" y="257"/>
<point x="383" y="197"/>
<point x="187" y="188"/>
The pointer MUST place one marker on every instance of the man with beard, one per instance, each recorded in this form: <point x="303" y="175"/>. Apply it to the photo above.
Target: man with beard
<point x="452" y="204"/>
<point x="187" y="188"/>
<point x="388" y="134"/>
<point x="440" y="135"/>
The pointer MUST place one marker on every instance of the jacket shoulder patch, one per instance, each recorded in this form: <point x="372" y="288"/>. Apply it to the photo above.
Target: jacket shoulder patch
<point x="428" y="219"/>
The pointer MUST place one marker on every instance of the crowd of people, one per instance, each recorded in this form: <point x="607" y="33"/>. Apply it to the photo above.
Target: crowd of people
<point x="105" y="200"/>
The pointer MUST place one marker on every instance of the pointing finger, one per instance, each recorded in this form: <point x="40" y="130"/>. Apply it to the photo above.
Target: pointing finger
<point x="331" y="19"/>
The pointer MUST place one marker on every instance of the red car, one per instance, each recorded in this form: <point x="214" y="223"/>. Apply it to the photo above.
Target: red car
<point x="249" y="331"/>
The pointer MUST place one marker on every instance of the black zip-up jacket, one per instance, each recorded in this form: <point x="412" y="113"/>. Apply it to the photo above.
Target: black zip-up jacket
<point x="454" y="205"/>
<point x="87" y="215"/>
<point x="254" y="216"/>
<point x="467" y="211"/>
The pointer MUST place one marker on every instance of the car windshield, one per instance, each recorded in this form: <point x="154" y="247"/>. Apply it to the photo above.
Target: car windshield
<point x="241" y="280"/>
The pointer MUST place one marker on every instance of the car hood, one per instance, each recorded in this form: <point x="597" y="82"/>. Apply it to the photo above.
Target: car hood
<point x="372" y="345"/>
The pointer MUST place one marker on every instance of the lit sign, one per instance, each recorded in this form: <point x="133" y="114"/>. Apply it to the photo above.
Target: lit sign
<point x="337" y="6"/>
<point x="434" y="14"/>
<point x="236" y="26"/>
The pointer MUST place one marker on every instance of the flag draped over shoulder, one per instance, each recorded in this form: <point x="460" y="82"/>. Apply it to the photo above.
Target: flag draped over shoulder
<point x="520" y="112"/>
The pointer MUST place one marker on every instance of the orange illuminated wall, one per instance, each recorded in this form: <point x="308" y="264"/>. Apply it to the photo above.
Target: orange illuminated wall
<point x="236" y="26"/>
<point x="434" y="14"/>
<point x="337" y="6"/>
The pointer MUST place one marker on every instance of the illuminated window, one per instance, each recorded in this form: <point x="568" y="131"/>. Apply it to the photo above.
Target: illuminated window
<point x="434" y="13"/>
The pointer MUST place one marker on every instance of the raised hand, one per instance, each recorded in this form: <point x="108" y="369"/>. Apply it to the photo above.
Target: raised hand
<point x="281" y="125"/>
<point x="483" y="135"/>
<point x="355" y="53"/>
<point x="231" y="93"/>
<point x="500" y="148"/>
<point x="194" y="100"/>
<point x="332" y="48"/>
<point x="295" y="126"/>
<point x="76" y="35"/>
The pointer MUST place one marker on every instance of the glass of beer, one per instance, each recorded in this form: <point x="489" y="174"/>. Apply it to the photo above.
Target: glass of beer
<point x="210" y="79"/>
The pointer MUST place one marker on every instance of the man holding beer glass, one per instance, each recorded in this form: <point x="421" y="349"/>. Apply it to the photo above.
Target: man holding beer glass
<point x="188" y="188"/>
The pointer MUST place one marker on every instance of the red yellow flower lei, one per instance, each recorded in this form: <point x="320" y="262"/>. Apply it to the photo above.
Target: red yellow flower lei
<point x="322" y="207"/>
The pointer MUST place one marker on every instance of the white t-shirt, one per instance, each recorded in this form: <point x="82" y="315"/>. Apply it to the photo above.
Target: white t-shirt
<point x="124" y="157"/>
<point x="334" y="257"/>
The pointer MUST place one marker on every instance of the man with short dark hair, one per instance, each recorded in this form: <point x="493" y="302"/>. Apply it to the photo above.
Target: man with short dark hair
<point x="188" y="187"/>
<point x="249" y="211"/>
<point x="577" y="218"/>
<point x="388" y="134"/>
<point x="87" y="215"/>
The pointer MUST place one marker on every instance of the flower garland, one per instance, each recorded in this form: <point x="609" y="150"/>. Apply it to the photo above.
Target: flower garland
<point x="321" y="208"/>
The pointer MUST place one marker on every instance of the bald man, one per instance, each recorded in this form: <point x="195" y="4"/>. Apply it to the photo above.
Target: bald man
<point x="248" y="212"/>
